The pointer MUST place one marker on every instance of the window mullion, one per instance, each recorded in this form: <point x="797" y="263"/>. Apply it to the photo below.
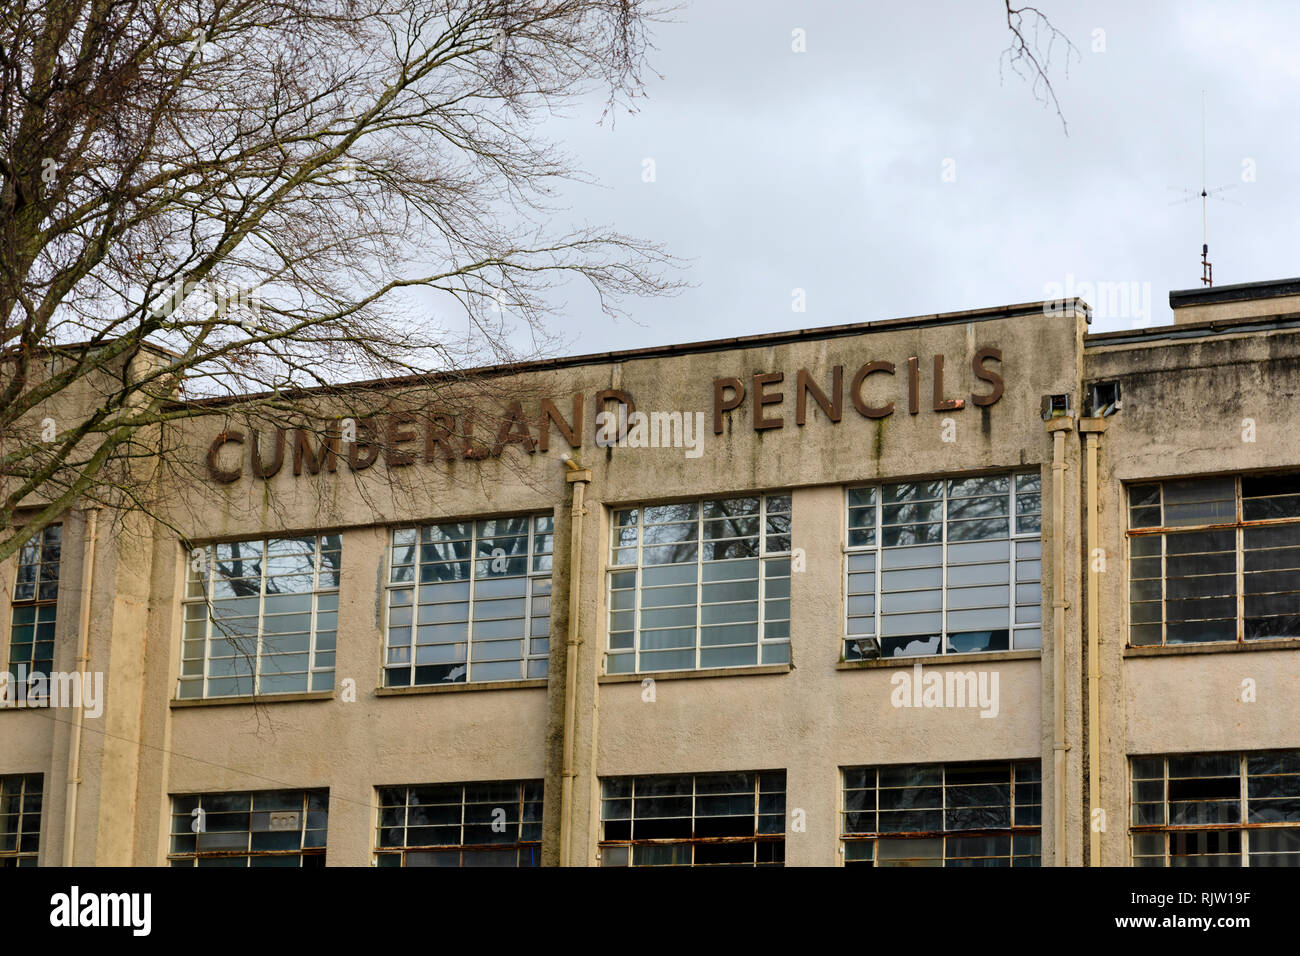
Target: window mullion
<point x="1244" y="812"/>
<point x="209" y="586"/>
<point x="527" y="647"/>
<point x="877" y="511"/>
<point x="311" y="637"/>
<point x="261" y="623"/>
<point x="638" y="584"/>
<point x="699" y="612"/>
<point x="943" y="574"/>
<point x="1241" y="564"/>
<point x="469" y="622"/>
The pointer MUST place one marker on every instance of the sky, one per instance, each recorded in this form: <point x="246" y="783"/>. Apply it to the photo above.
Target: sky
<point x="889" y="169"/>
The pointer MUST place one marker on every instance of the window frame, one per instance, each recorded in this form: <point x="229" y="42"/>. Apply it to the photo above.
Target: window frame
<point x="1239" y="525"/>
<point x="520" y="846"/>
<point x="20" y="857"/>
<point x="763" y="557"/>
<point x="179" y="858"/>
<point x="530" y="576"/>
<point x="38" y="605"/>
<point x="1014" y="539"/>
<point x="1013" y="831"/>
<point x="626" y="848"/>
<point x="212" y="631"/>
<point x="1243" y="827"/>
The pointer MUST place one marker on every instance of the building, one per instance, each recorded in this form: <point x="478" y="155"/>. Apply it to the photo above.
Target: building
<point x="971" y="587"/>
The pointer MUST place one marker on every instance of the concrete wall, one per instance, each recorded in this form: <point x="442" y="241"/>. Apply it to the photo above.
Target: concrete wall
<point x="1203" y="406"/>
<point x="1183" y="405"/>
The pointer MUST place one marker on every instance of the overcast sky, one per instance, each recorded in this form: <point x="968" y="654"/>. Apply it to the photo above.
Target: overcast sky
<point x="824" y="170"/>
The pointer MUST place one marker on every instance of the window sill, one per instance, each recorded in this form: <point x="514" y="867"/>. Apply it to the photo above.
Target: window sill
<point x="177" y="702"/>
<point x="935" y="659"/>
<point x="454" y="688"/>
<point x="1214" y="647"/>
<point x="754" y="671"/>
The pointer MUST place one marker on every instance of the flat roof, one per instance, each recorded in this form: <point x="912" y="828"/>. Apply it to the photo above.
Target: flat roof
<point x="1242" y="291"/>
<point x="1043" y="308"/>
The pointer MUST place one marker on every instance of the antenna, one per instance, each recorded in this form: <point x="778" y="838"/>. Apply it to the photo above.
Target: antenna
<point x="1207" y="270"/>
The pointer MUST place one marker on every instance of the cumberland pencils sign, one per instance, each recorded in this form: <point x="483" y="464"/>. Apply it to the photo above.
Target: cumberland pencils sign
<point x="873" y="390"/>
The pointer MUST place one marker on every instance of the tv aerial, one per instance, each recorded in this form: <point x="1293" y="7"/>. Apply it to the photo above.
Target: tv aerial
<point x="1205" y="195"/>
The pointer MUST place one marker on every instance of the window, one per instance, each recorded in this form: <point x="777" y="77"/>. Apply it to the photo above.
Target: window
<point x="944" y="567"/>
<point x="1214" y="559"/>
<point x="266" y="828"/>
<point x="977" y="814"/>
<point x="36" y="592"/>
<point x="261" y="617"/>
<point x="470" y="824"/>
<point x="20" y="819"/>
<point x="470" y="601"/>
<point x="735" y="819"/>
<point x="1217" y="809"/>
<point x="700" y="584"/>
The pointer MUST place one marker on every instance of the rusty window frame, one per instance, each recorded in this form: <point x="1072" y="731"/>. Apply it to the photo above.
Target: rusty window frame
<point x="1024" y="550"/>
<point x="20" y="819"/>
<point x="766" y="788"/>
<point x="1162" y="530"/>
<point x="1024" y="798"/>
<point x="200" y="629"/>
<point x="526" y="823"/>
<point x="535" y="618"/>
<point x="34" y="615"/>
<point x="187" y="828"/>
<point x="772" y="644"/>
<point x="1152" y="844"/>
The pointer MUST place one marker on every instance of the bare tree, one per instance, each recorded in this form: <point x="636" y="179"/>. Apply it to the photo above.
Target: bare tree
<point x="202" y="199"/>
<point x="1033" y="40"/>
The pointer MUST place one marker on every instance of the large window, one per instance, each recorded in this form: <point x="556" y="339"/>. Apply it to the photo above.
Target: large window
<point x="261" y="617"/>
<point x="470" y="601"/>
<point x="471" y="824"/>
<point x="1217" y="809"/>
<point x="1214" y="559"/>
<point x="713" y="819"/>
<point x="20" y="819"/>
<point x="266" y="828"/>
<point x="36" y="592"/>
<point x="944" y="567"/>
<point x="700" y="584"/>
<point x="978" y="814"/>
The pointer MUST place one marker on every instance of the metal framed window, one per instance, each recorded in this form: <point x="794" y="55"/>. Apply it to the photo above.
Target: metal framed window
<point x="1214" y="560"/>
<point x="970" y="814"/>
<point x="261" y="617"/>
<point x="20" y="819"/>
<point x="713" y="819"/>
<point x="460" y="824"/>
<point x="700" y="584"/>
<point x="262" y="828"/>
<point x="1235" y="809"/>
<point x="943" y="567"/>
<point x="35" y="605"/>
<point x="470" y="601"/>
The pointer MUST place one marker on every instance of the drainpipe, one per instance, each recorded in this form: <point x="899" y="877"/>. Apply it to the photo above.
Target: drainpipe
<point x="1092" y="429"/>
<point x="83" y="660"/>
<point x="578" y="477"/>
<point x="1058" y="427"/>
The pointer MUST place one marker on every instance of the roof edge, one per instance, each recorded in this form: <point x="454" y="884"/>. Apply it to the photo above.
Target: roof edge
<point x="1047" y="308"/>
